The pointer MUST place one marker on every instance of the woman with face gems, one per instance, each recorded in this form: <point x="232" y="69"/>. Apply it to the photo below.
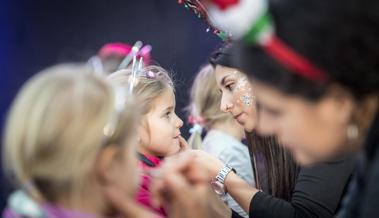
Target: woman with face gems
<point x="317" y="86"/>
<point x="282" y="190"/>
<point x="290" y="192"/>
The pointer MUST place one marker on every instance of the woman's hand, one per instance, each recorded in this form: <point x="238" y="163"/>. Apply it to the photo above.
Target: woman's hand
<point x="182" y="185"/>
<point x="210" y="163"/>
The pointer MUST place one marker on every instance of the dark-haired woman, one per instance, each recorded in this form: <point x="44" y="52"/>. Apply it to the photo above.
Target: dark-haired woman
<point x="316" y="81"/>
<point x="330" y="108"/>
<point x="317" y="85"/>
<point x="287" y="190"/>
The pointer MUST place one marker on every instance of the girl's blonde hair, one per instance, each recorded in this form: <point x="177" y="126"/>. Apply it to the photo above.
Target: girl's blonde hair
<point x="55" y="130"/>
<point x="204" y="106"/>
<point x="150" y="83"/>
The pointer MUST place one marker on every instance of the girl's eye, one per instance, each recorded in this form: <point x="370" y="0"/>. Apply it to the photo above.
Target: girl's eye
<point x="168" y="114"/>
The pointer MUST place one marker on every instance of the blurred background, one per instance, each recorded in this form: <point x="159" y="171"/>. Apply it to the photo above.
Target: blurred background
<point x="35" y="34"/>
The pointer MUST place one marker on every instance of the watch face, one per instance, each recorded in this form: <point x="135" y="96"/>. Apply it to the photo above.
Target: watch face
<point x="218" y="187"/>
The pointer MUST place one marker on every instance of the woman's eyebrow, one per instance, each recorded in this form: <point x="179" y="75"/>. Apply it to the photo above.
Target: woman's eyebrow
<point x="223" y="80"/>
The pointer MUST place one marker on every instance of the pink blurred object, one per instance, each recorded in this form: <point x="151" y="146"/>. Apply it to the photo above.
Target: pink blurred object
<point x="122" y="50"/>
<point x="117" y="49"/>
<point x="143" y="196"/>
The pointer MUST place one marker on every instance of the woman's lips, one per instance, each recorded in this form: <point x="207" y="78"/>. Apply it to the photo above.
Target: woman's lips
<point x="238" y="116"/>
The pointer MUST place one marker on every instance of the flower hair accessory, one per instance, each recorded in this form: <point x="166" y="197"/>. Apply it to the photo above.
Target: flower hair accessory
<point x="150" y="75"/>
<point x="198" y="124"/>
<point x="196" y="120"/>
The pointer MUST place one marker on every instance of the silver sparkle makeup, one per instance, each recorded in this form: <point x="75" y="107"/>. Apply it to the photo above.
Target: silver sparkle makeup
<point x="243" y="86"/>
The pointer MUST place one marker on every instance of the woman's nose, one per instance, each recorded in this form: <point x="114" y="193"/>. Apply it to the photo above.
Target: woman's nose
<point x="225" y="104"/>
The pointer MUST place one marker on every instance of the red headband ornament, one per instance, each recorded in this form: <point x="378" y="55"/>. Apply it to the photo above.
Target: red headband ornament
<point x="251" y="21"/>
<point x="293" y="61"/>
<point x="224" y="4"/>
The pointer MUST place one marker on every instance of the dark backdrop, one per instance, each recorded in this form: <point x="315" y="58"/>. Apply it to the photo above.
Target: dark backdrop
<point x="35" y="34"/>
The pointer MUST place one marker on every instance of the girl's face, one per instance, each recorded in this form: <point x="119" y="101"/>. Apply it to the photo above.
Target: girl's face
<point x="237" y="96"/>
<point x="161" y="132"/>
<point x="313" y="131"/>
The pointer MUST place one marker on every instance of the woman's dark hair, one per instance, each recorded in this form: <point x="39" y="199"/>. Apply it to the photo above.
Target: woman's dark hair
<point x="274" y="168"/>
<point x="339" y="36"/>
<point x="223" y="57"/>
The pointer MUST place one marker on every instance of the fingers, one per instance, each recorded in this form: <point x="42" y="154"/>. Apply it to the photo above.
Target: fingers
<point x="183" y="144"/>
<point x="185" y="163"/>
<point x="174" y="164"/>
<point x="178" y="162"/>
<point x="211" y="163"/>
<point x="183" y="199"/>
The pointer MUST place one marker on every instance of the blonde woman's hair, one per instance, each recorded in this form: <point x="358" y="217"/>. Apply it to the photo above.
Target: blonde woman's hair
<point x="54" y="131"/>
<point x="205" y="100"/>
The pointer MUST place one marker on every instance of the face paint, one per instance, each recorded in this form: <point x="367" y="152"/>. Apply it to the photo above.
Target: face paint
<point x="246" y="99"/>
<point x="243" y="88"/>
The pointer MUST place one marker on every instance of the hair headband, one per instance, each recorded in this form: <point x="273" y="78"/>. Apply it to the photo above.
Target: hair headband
<point x="250" y="20"/>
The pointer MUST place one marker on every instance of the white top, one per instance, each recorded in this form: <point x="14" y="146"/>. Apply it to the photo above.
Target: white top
<point x="233" y="153"/>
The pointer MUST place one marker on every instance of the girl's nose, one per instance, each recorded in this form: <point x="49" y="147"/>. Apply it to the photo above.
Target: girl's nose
<point x="179" y="122"/>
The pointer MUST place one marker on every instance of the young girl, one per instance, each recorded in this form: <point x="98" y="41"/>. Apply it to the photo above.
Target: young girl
<point x="159" y="130"/>
<point x="224" y="134"/>
<point x="69" y="140"/>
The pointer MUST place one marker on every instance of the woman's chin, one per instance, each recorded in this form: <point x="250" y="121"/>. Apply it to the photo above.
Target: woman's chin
<point x="248" y="128"/>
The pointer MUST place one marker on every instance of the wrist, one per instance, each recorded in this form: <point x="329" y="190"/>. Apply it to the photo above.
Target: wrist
<point x="218" y="182"/>
<point x="229" y="178"/>
<point x="216" y="170"/>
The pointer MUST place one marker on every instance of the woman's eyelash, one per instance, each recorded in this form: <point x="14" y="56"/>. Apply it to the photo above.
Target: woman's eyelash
<point x="273" y="113"/>
<point x="229" y="86"/>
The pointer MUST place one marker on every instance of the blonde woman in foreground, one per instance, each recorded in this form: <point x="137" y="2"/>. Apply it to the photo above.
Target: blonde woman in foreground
<point x="70" y="147"/>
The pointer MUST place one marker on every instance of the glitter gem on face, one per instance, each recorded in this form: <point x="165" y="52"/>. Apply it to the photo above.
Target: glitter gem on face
<point x="246" y="99"/>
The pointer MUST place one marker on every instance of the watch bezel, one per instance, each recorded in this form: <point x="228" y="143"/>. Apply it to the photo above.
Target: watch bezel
<point x="218" y="187"/>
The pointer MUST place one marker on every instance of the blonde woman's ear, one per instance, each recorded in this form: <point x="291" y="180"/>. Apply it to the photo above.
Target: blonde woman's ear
<point x="106" y="164"/>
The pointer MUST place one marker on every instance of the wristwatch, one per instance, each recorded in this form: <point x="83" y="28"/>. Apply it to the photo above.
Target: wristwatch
<point x="217" y="183"/>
